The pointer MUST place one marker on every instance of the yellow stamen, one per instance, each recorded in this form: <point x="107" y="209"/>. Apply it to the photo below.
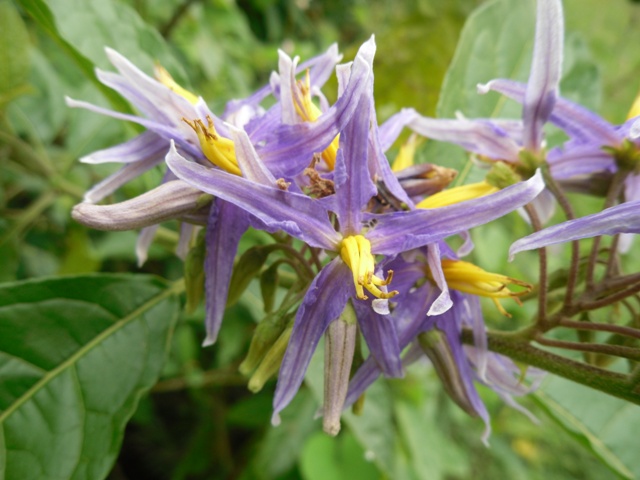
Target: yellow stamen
<point x="469" y="278"/>
<point x="457" y="195"/>
<point x="355" y="251"/>
<point x="219" y="150"/>
<point x="309" y="112"/>
<point x="406" y="155"/>
<point x="167" y="80"/>
<point x="635" y="108"/>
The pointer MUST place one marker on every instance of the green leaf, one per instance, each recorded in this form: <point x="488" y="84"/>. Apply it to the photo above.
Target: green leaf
<point x="341" y="458"/>
<point x="84" y="28"/>
<point x="497" y="42"/>
<point x="14" y="54"/>
<point x="605" y="425"/>
<point x="76" y="355"/>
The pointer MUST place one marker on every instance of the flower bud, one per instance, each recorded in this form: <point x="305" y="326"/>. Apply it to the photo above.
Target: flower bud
<point x="170" y="200"/>
<point x="271" y="361"/>
<point x="436" y="347"/>
<point x="339" y="347"/>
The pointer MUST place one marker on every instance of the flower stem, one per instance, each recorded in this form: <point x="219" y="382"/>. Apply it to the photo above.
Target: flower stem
<point x="615" y="384"/>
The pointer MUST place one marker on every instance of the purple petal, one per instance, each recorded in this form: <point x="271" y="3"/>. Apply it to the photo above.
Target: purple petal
<point x="296" y="214"/>
<point x="390" y="130"/>
<point x="146" y="145"/>
<point x="574" y="119"/>
<point x="546" y="68"/>
<point x="402" y="231"/>
<point x="623" y="218"/>
<point x="250" y="164"/>
<point x="353" y="184"/>
<point x="443" y="302"/>
<point x="144" y="242"/>
<point x="226" y="225"/>
<point x="382" y="339"/>
<point x="291" y="147"/>
<point x="481" y="137"/>
<point x="125" y="174"/>
<point x="579" y="159"/>
<point x="323" y="303"/>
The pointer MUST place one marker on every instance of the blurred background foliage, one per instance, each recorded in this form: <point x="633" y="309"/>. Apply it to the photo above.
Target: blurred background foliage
<point x="200" y="421"/>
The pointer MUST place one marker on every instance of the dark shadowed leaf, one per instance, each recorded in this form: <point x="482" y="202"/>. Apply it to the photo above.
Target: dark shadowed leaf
<point x="76" y="355"/>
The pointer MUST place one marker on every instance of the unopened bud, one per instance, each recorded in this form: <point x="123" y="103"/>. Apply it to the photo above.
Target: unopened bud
<point x="271" y="362"/>
<point x="339" y="347"/>
<point x="436" y="347"/>
<point x="264" y="336"/>
<point x="425" y="179"/>
<point x="170" y="200"/>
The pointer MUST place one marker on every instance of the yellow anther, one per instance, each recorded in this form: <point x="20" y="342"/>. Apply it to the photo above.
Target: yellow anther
<point x="457" y="195"/>
<point x="219" y="150"/>
<point x="355" y="251"/>
<point x="167" y="80"/>
<point x="469" y="278"/>
<point x="309" y="112"/>
<point x="407" y="153"/>
<point x="634" y="111"/>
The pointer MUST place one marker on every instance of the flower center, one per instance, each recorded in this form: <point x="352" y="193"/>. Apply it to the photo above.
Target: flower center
<point x="219" y="150"/>
<point x="167" y="80"/>
<point x="457" y="194"/>
<point x="309" y="112"/>
<point x="467" y="277"/>
<point x="355" y="250"/>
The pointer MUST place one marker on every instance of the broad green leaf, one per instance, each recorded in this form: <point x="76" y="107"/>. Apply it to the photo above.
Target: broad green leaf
<point x="605" y="425"/>
<point x="497" y="42"/>
<point x="76" y="355"/>
<point x="85" y="28"/>
<point x="341" y="458"/>
<point x="280" y="449"/>
<point x="14" y="54"/>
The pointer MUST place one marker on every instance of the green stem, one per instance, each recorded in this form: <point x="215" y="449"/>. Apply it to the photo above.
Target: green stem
<point x="29" y="215"/>
<point x="611" y="383"/>
<point x="562" y="200"/>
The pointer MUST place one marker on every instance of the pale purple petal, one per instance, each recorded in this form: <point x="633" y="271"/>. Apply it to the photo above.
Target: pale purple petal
<point x="546" y="69"/>
<point x="574" y="119"/>
<point x="623" y="218"/>
<point x="397" y="232"/>
<point x="478" y="136"/>
<point x="145" y="145"/>
<point x="250" y="164"/>
<point x="323" y="303"/>
<point x="127" y="173"/>
<point x="296" y="214"/>
<point x="443" y="302"/>
<point x="184" y="242"/>
<point x="391" y="128"/>
<point x="579" y="159"/>
<point x="145" y="237"/>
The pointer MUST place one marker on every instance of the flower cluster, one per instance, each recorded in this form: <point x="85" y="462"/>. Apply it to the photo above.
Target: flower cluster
<point x="365" y="240"/>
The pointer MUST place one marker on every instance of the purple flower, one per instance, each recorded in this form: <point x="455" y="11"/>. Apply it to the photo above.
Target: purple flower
<point x="438" y="336"/>
<point x="359" y="235"/>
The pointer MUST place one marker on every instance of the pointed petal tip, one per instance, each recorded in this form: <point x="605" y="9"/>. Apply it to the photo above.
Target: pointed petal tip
<point x="276" y="420"/>
<point x="634" y="132"/>
<point x="483" y="88"/>
<point x="208" y="341"/>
